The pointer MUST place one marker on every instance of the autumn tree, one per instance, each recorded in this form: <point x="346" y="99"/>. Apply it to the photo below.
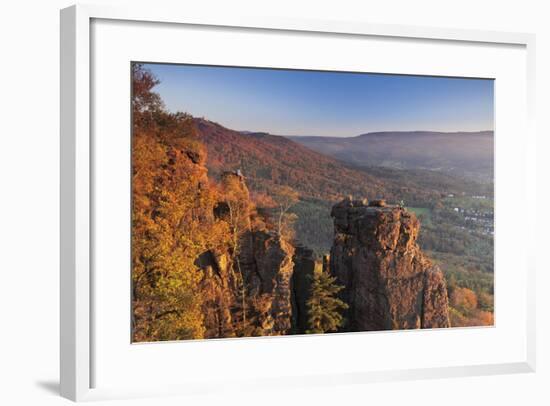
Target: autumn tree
<point x="237" y="199"/>
<point x="166" y="303"/>
<point x="465" y="308"/>
<point x="172" y="221"/>
<point x="463" y="299"/>
<point x="264" y="205"/>
<point x="324" y="307"/>
<point x="285" y="197"/>
<point x="145" y="102"/>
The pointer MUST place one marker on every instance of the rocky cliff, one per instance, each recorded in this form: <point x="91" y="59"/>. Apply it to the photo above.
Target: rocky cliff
<point x="388" y="281"/>
<point x="267" y="266"/>
<point x="246" y="282"/>
<point x="302" y="277"/>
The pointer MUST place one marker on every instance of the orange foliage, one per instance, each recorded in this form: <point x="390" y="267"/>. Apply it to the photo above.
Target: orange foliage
<point x="172" y="220"/>
<point x="463" y="299"/>
<point x="464" y="310"/>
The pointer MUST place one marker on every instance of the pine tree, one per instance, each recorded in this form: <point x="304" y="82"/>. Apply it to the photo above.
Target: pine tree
<point x="324" y="307"/>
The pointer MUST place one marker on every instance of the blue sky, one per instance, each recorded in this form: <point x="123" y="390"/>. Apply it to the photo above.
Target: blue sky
<point x="291" y="102"/>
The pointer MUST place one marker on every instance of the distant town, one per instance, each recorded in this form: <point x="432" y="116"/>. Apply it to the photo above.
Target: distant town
<point x="477" y="219"/>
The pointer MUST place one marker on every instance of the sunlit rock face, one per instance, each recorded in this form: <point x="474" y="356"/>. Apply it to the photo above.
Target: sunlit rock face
<point x="388" y="281"/>
<point x="268" y="267"/>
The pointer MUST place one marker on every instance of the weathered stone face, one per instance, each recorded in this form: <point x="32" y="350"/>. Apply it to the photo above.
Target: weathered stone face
<point x="218" y="295"/>
<point x="266" y="262"/>
<point x="302" y="278"/>
<point x="267" y="266"/>
<point x="388" y="281"/>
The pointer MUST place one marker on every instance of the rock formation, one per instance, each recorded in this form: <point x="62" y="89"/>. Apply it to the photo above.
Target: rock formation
<point x="388" y="282"/>
<point x="302" y="277"/>
<point x="218" y="297"/>
<point x="266" y="263"/>
<point x="247" y="283"/>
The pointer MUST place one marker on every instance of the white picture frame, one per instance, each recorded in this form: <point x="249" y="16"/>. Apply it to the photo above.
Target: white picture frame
<point x="77" y="283"/>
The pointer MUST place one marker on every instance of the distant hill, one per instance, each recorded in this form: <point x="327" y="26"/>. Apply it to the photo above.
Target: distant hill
<point x="269" y="160"/>
<point x="464" y="154"/>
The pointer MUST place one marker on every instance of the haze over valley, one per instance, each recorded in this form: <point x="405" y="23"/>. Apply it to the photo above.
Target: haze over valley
<point x="465" y="154"/>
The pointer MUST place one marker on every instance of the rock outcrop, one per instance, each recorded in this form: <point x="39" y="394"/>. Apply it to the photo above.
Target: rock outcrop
<point x="218" y="291"/>
<point x="247" y="285"/>
<point x="388" y="282"/>
<point x="266" y="263"/>
<point x="302" y="278"/>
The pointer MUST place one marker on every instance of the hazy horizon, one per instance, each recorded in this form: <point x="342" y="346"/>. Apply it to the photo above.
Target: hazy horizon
<point x="359" y="135"/>
<point x="325" y="104"/>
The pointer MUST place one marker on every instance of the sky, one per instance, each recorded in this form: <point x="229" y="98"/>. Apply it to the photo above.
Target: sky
<point x="336" y="104"/>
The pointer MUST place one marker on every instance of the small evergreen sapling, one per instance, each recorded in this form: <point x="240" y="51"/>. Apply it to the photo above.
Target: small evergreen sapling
<point x="324" y="307"/>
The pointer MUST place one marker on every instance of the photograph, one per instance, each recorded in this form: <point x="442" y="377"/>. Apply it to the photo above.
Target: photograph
<point x="275" y="202"/>
<point x="241" y="203"/>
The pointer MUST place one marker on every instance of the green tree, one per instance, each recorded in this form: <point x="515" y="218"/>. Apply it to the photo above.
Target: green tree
<point x="324" y="307"/>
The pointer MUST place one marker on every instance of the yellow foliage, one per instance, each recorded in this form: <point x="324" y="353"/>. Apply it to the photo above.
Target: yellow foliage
<point x="464" y="311"/>
<point x="172" y="224"/>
